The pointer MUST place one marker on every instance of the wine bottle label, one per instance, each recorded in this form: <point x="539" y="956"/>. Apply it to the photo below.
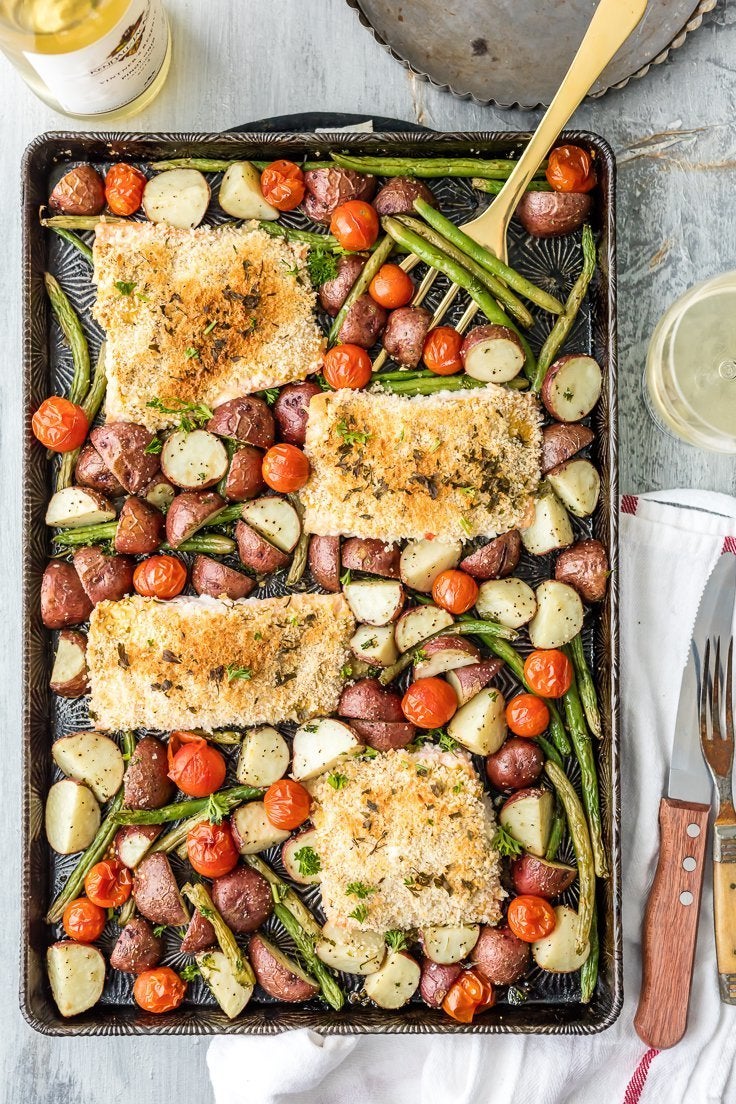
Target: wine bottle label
<point x="115" y="69"/>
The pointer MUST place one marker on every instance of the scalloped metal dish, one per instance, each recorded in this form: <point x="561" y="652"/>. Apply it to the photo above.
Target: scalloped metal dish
<point x="552" y="1005"/>
<point x="486" y="52"/>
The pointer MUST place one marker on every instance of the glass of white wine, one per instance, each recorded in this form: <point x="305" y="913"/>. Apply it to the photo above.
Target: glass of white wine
<point x="690" y="376"/>
<point x="100" y="59"/>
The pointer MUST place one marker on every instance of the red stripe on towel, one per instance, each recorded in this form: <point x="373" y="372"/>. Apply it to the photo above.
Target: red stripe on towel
<point x="729" y="545"/>
<point x="635" y="1087"/>
<point x="629" y="504"/>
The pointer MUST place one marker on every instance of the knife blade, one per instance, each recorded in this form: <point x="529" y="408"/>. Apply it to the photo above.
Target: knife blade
<point x="674" y="899"/>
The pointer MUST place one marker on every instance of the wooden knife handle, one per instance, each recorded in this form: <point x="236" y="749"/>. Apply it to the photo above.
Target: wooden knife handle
<point x="671" y="924"/>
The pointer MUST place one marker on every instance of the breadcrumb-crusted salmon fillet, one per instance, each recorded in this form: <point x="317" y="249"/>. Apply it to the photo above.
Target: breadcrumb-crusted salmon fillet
<point x="200" y="316"/>
<point x="455" y="464"/>
<point x="205" y="663"/>
<point x="406" y="841"/>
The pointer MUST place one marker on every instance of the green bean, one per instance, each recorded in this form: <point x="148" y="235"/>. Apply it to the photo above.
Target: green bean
<point x="583" y="852"/>
<point x="242" y="970"/>
<point x="226" y="516"/>
<point x="493" y="187"/>
<point x="299" y="558"/>
<point x="563" y="324"/>
<point x="487" y="260"/>
<point x="213" y="545"/>
<point x="550" y="751"/>
<point x="78" y="222"/>
<point x="91" y="407"/>
<point x="426" y="386"/>
<point x="583" y="748"/>
<point x="309" y="237"/>
<point x="559" y="823"/>
<point x="589" y="969"/>
<point x="428" y="167"/>
<point x="71" y="327"/>
<point x="72" y="238"/>
<point x="287" y="896"/>
<point x="217" y="164"/>
<point x="221" y="803"/>
<point x="586" y="686"/>
<point x="470" y="627"/>
<point x="87" y="534"/>
<point x="175" y="837"/>
<point x="370" y="268"/>
<point x="304" y="944"/>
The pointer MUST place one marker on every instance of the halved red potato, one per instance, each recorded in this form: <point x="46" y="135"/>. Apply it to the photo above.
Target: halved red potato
<point x="327" y="188"/>
<point x="247" y="420"/>
<point x="397" y="195"/>
<point x="324" y="562"/>
<point x="264" y="757"/>
<point x="372" y="556"/>
<point x="80" y="191"/>
<point x="375" y="644"/>
<point x="562" y="442"/>
<point x="92" y="471"/>
<point x="199" y="936"/>
<point x="577" y="484"/>
<point x="104" y="578"/>
<point x="122" y="446"/>
<point x="493" y="354"/>
<point x="559" y="616"/>
<point x="291" y="409"/>
<point x="350" y="950"/>
<point x="445" y="653"/>
<point x="395" y="982"/>
<point x="375" y="601"/>
<point x="300" y="855"/>
<point x="334" y="292"/>
<point x="133" y="841"/>
<point x="217" y="579"/>
<point x="422" y="561"/>
<point x="552" y="214"/>
<point x="318" y="745"/>
<point x="585" y="567"/>
<point x="189" y="512"/>
<point x="69" y="675"/>
<point x="73" y="507"/>
<point x="494" y="560"/>
<point x="509" y="601"/>
<point x="159" y="492"/>
<point x="469" y="681"/>
<point x="572" y="387"/>
<point x="557" y="953"/>
<point x="384" y="735"/>
<point x="244" y="479"/>
<point x="500" y="955"/>
<point x="177" y="197"/>
<point x="405" y="334"/>
<point x="418" y="623"/>
<point x="527" y="816"/>
<point x="76" y="974"/>
<point x="193" y="460"/>
<point x="137" y="947"/>
<point x="447" y="944"/>
<point x="516" y="765"/>
<point x="436" y="981"/>
<point x="147" y="784"/>
<point x="279" y="975"/>
<point x="364" y="323"/>
<point x="240" y="193"/>
<point x="541" y="877"/>
<point x="368" y="700"/>
<point x="550" y="528"/>
<point x="256" y="552"/>
<point x="480" y="724"/>
<point x="275" y="519"/>
<point x="92" y="758"/>
<point x="219" y="975"/>
<point x="253" y="831"/>
<point x="140" y="528"/>
<point x="243" y="898"/>
<point x="156" y="893"/>
<point x="64" y="600"/>
<point x="72" y="816"/>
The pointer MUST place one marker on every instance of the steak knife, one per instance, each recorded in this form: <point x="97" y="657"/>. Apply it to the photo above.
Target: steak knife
<point x="671" y="917"/>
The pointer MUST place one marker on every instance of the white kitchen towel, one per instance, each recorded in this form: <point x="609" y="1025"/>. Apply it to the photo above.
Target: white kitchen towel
<point x="669" y="543"/>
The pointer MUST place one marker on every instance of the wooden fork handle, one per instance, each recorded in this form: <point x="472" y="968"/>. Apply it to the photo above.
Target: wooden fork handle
<point x="671" y="924"/>
<point x="724" y="907"/>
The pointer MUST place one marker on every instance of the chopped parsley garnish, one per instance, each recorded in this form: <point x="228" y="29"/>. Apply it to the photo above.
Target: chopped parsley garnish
<point x="321" y="266"/>
<point x="191" y="353"/>
<point x="360" y="914"/>
<point x="191" y="415"/>
<point x="233" y="673"/>
<point x="505" y="843"/>
<point x="396" y="940"/>
<point x="346" y="671"/>
<point x="308" y="861"/>
<point x="359" y="889"/>
<point x="352" y="436"/>
<point x="458" y="787"/>
<point x="190" y="972"/>
<point x="216" y="810"/>
<point x="125" y="287"/>
<point x="466" y="526"/>
<point x="446" y="742"/>
<point x="209" y="327"/>
<point x="345" y="577"/>
<point x="269" y="396"/>
<point x="337" y="780"/>
<point x="154" y="447"/>
<point x="159" y="930"/>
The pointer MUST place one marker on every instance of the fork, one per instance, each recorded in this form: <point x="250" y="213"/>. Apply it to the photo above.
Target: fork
<point x="717" y="748"/>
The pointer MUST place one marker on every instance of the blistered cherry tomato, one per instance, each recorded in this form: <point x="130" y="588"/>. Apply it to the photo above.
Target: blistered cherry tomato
<point x="570" y="169"/>
<point x="527" y="715"/>
<point x="124" y="186"/>
<point x="285" y="468"/>
<point x="60" y="425"/>
<point x="470" y="994"/>
<point x="211" y="849"/>
<point x="108" y="884"/>
<point x="355" y="224"/>
<point x="441" y="351"/>
<point x="195" y="766"/>
<point x="83" y="921"/>
<point x="282" y="184"/>
<point x="160" y="577"/>
<point x="159" y="990"/>
<point x="392" y="287"/>
<point x="531" y="918"/>
<point x="347" y="366"/>
<point x="287" y="804"/>
<point x="455" y="591"/>
<point x="548" y="672"/>
<point x="429" y="703"/>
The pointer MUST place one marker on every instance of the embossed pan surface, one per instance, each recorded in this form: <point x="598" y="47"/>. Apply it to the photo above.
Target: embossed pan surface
<point x="544" y="1003"/>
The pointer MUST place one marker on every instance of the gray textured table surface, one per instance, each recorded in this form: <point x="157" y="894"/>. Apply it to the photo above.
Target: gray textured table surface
<point x="674" y="137"/>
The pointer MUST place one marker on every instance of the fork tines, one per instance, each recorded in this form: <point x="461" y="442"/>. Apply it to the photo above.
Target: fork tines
<point x="717" y="742"/>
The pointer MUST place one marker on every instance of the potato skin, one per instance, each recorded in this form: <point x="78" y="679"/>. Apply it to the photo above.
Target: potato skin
<point x="531" y="874"/>
<point x="495" y="560"/>
<point x="122" y="446"/>
<point x="364" y="323"/>
<point x="156" y="893"/>
<point x="436" y="980"/>
<point x="243" y="897"/>
<point x="147" y="784"/>
<point x="551" y="214"/>
<point x="244" y="479"/>
<point x="79" y="685"/>
<point x="255" y="551"/>
<point x="215" y="579"/>
<point x="188" y="512"/>
<point x="140" y="528"/>
<point x="397" y="196"/>
<point x="368" y="700"/>
<point x="160" y="492"/>
<point x="500" y="956"/>
<point x="383" y="735"/>
<point x="291" y="410"/>
<point x="372" y="556"/>
<point x="150" y="831"/>
<point x="247" y="420"/>
<point x="64" y="600"/>
<point x="405" y="332"/>
<point x="584" y="566"/>
<point x="324" y="562"/>
<point x="137" y="948"/>
<point x="79" y="192"/>
<point x="199" y="936"/>
<point x="273" y="977"/>
<point x="516" y="765"/>
<point x="560" y="442"/>
<point x="104" y="578"/>
<point x="329" y="187"/>
<point x="92" y="471"/>
<point x="334" y="292"/>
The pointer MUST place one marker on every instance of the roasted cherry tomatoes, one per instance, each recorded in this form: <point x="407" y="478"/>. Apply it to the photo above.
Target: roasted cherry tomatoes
<point x="282" y="184"/>
<point x="570" y="169"/>
<point x="211" y="849"/>
<point x="83" y="921"/>
<point x="527" y="715"/>
<point x="287" y="804"/>
<point x="455" y="591"/>
<point x="160" y="577"/>
<point x="108" y="884"/>
<point x="285" y="468"/>
<point x="441" y="351"/>
<point x="548" y="672"/>
<point x="391" y="287"/>
<point x="124" y="186"/>
<point x="347" y="366"/>
<point x="195" y="766"/>
<point x="531" y="918"/>
<point x="355" y="224"/>
<point x="60" y="425"/>
<point x="429" y="703"/>
<point x="159" y="990"/>
<point x="470" y="994"/>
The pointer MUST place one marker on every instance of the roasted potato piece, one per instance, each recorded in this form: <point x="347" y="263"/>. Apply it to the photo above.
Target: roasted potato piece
<point x="383" y="735"/>
<point x="403" y="338"/>
<point x="74" y="507"/>
<point x="334" y="292"/>
<point x="137" y="948"/>
<point x="72" y="816"/>
<point x="243" y="899"/>
<point x="177" y="197"/>
<point x="572" y="387"/>
<point x="562" y="442"/>
<point x="240" y="193"/>
<point x="133" y="841"/>
<point x="189" y="512"/>
<point x="140" y="528"/>
<point x="324" y="562"/>
<point x="256" y="552"/>
<point x="551" y="214"/>
<point x="147" y="784"/>
<point x="194" y="460"/>
<point x="92" y="758"/>
<point x="79" y="192"/>
<point x="76" y="976"/>
<point x="397" y="196"/>
<point x="247" y="420"/>
<point x="200" y="935"/>
<point x="436" y="981"/>
<point x="516" y="765"/>
<point x="69" y="676"/>
<point x="469" y="681"/>
<point x="329" y="187"/>
<point x="368" y="700"/>
<point x="278" y="975"/>
<point x="160" y="492"/>
<point x="364" y="323"/>
<point x="584" y="566"/>
<point x="540" y="877"/>
<point x="495" y="560"/>
<point x="291" y="408"/>
<point x="492" y="354"/>
<point x="244" y="479"/>
<point x="500" y="956"/>
<point x="92" y="471"/>
<point x="64" y="600"/>
<point x="372" y="556"/>
<point x="156" y="893"/>
<point x="104" y="578"/>
<point x="122" y="446"/>
<point x="217" y="579"/>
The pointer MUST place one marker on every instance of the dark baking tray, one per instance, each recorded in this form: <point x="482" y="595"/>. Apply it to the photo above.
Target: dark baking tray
<point x="552" y="1003"/>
